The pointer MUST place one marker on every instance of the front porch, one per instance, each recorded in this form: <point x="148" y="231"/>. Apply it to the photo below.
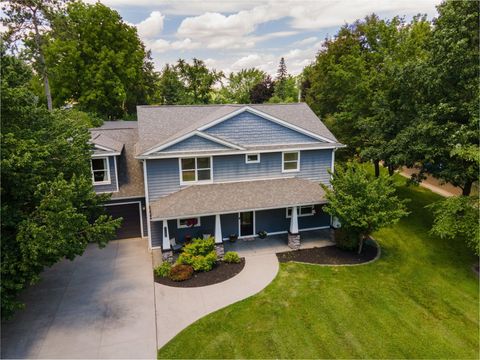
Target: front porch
<point x="279" y="243"/>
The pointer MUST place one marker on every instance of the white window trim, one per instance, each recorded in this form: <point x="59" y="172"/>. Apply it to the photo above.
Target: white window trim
<point x="283" y="162"/>
<point x="250" y="161"/>
<point x="180" y="170"/>
<point x="109" y="178"/>
<point x="185" y="226"/>
<point x="299" y="212"/>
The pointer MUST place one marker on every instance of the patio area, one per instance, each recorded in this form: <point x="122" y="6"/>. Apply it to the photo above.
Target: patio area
<point x="278" y="243"/>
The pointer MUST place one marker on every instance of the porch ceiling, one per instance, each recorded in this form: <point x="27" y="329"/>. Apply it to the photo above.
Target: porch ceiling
<point x="231" y="197"/>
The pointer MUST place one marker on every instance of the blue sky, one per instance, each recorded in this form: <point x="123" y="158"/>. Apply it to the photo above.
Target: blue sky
<point x="231" y="35"/>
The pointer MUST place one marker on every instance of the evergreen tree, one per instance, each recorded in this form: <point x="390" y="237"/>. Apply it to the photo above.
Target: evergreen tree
<point x="281" y="81"/>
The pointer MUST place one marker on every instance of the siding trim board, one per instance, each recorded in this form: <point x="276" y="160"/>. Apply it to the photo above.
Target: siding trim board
<point x="227" y="153"/>
<point x="189" y="135"/>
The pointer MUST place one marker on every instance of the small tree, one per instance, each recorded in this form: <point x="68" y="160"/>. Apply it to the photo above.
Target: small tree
<point x="361" y="202"/>
<point x="457" y="218"/>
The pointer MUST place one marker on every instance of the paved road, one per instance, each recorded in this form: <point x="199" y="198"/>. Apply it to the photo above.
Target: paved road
<point x="179" y="307"/>
<point x="99" y="306"/>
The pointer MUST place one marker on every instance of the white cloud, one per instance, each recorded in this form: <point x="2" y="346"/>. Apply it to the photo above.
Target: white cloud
<point x="151" y="26"/>
<point x="306" y="41"/>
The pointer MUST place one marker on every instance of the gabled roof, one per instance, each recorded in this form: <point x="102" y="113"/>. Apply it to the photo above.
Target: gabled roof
<point x="164" y="124"/>
<point x="198" y="200"/>
<point x="130" y="170"/>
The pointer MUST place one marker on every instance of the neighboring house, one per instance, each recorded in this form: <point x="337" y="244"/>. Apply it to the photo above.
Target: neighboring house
<point x="216" y="169"/>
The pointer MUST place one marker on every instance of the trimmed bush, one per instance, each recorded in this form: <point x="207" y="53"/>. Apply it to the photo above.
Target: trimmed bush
<point x="200" y="247"/>
<point x="186" y="259"/>
<point x="205" y="263"/>
<point x="231" y="257"/>
<point x="180" y="272"/>
<point x="163" y="270"/>
<point x="346" y="239"/>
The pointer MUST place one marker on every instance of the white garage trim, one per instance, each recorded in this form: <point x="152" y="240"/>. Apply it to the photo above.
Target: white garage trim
<point x="139" y="209"/>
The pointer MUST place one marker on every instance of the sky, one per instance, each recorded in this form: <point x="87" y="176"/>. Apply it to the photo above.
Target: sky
<point x="231" y="35"/>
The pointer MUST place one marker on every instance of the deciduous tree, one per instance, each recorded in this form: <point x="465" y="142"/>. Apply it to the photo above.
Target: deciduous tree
<point x="362" y="203"/>
<point x="49" y="209"/>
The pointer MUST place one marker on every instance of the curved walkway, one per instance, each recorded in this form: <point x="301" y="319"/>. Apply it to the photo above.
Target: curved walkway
<point x="176" y="308"/>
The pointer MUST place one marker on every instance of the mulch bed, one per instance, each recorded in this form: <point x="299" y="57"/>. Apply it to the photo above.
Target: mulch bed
<point x="329" y="255"/>
<point x="221" y="272"/>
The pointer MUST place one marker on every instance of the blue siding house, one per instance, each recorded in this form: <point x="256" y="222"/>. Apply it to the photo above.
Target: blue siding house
<point x="221" y="170"/>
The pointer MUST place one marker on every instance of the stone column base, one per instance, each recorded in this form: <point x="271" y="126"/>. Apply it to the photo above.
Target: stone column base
<point x="220" y="250"/>
<point x="167" y="255"/>
<point x="294" y="241"/>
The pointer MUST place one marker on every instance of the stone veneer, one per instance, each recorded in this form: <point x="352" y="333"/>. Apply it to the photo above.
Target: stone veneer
<point x="294" y="241"/>
<point x="219" y="248"/>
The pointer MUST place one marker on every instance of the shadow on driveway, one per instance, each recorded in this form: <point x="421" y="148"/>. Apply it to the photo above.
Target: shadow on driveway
<point x="101" y="305"/>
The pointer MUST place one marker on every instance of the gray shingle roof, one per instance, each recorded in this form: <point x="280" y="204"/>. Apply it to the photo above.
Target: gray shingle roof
<point x="107" y="142"/>
<point x="237" y="196"/>
<point x="161" y="124"/>
<point x="130" y="170"/>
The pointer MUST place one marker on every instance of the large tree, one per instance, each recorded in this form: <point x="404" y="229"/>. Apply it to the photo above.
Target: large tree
<point x="27" y="21"/>
<point x="361" y="202"/>
<point x="48" y="206"/>
<point x="240" y="85"/>
<point x="98" y="60"/>
<point x="198" y="80"/>
<point x="263" y="91"/>
<point x="171" y="90"/>
<point x="444" y="138"/>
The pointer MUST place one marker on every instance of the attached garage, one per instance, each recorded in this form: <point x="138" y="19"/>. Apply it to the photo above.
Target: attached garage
<point x="132" y="219"/>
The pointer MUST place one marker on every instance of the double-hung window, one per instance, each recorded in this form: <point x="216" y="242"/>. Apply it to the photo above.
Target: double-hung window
<point x="100" y="171"/>
<point x="291" y="161"/>
<point x="196" y="170"/>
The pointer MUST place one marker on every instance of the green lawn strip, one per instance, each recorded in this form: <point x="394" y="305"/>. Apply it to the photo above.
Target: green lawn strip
<point x="419" y="300"/>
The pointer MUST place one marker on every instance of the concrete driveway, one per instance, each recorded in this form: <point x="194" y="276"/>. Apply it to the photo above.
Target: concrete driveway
<point x="99" y="306"/>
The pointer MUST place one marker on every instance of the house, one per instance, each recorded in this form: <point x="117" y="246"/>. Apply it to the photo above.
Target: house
<point x="185" y="171"/>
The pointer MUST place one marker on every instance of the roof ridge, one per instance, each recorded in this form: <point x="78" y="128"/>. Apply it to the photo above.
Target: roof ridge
<point x="216" y="105"/>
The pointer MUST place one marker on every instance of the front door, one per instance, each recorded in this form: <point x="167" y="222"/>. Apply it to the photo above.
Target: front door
<point x="246" y="223"/>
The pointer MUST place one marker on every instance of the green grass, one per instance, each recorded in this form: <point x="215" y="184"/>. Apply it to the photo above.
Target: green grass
<point x="420" y="300"/>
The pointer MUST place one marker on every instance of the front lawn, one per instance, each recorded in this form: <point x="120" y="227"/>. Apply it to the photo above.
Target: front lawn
<point x="420" y="300"/>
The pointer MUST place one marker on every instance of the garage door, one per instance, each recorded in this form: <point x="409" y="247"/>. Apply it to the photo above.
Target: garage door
<point x="131" y="220"/>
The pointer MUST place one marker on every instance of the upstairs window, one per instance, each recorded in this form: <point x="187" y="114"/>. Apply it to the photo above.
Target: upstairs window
<point x="195" y="170"/>
<point x="252" y="158"/>
<point x="100" y="171"/>
<point x="291" y="161"/>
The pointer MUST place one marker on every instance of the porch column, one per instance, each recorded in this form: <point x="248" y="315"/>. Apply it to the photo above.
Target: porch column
<point x="218" y="237"/>
<point x="218" y="230"/>
<point x="165" y="236"/>
<point x="293" y="235"/>
<point x="294" y="221"/>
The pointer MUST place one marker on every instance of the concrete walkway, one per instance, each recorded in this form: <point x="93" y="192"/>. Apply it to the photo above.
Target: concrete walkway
<point x="177" y="308"/>
<point x="433" y="184"/>
<point x="101" y="305"/>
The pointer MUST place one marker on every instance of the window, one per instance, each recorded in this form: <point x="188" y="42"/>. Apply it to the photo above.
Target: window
<point x="307" y="210"/>
<point x="291" y="161"/>
<point x="196" y="169"/>
<point x="188" y="222"/>
<point x="100" y="171"/>
<point x="252" y="158"/>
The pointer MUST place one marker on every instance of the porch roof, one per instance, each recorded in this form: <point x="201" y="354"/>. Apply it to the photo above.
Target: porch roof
<point x="201" y="200"/>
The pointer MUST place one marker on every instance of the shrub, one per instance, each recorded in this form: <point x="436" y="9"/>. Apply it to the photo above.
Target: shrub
<point x="185" y="258"/>
<point x="199" y="247"/>
<point x="163" y="270"/>
<point x="346" y="239"/>
<point x="231" y="257"/>
<point x="180" y="272"/>
<point x="205" y="263"/>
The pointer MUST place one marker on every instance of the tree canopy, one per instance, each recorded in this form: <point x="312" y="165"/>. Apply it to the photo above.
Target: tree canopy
<point x="361" y="202"/>
<point x="49" y="209"/>
<point x="97" y="60"/>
